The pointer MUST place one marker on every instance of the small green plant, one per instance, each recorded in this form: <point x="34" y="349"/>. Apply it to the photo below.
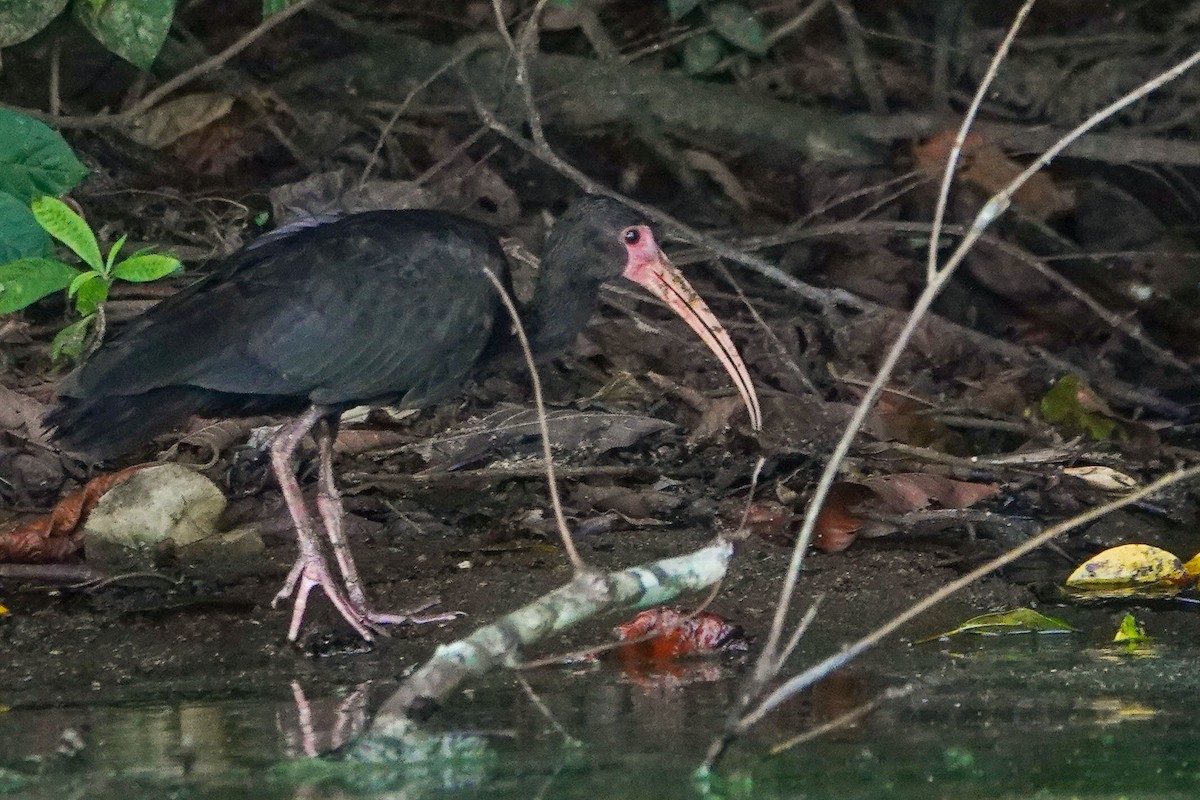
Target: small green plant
<point x="27" y="280"/>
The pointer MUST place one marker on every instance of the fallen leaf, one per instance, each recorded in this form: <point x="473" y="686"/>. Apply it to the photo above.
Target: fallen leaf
<point x="169" y="121"/>
<point x="515" y="427"/>
<point x="988" y="168"/>
<point x="771" y="522"/>
<point x="1019" y="620"/>
<point x="1129" y="570"/>
<point x="844" y="513"/>
<point x="676" y="635"/>
<point x="56" y="536"/>
<point x="22" y="415"/>
<point x="335" y="192"/>
<point x="1105" y="478"/>
<point x="1130" y="631"/>
<point x="1072" y="404"/>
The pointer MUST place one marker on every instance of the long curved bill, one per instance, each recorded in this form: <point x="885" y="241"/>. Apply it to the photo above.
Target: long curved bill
<point x="663" y="280"/>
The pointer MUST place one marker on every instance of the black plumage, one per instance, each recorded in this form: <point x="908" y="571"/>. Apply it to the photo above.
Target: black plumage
<point x="383" y="307"/>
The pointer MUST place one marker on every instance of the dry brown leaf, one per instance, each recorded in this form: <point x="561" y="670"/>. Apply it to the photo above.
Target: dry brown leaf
<point x="55" y="536"/>
<point x="169" y="121"/>
<point x="844" y="513"/>
<point x="988" y="168"/>
<point x="21" y="415"/>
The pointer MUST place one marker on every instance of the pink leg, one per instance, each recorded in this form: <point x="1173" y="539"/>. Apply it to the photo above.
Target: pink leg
<point x="329" y="504"/>
<point x="311" y="569"/>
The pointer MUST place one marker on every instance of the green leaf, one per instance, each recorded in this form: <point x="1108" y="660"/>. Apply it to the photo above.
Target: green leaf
<point x="1073" y="404"/>
<point x="20" y="234"/>
<point x="738" y="25"/>
<point x="81" y="279"/>
<point x="1019" y="620"/>
<point x="21" y="19"/>
<point x="112" y="252"/>
<point x="91" y="295"/>
<point x="28" y="280"/>
<point x="34" y="159"/>
<point x="679" y="8"/>
<point x="701" y="53"/>
<point x="69" y="228"/>
<point x="133" y="29"/>
<point x="70" y="340"/>
<point x="148" y="267"/>
<point x="1131" y="631"/>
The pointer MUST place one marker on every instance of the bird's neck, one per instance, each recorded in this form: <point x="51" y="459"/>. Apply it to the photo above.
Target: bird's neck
<point x="557" y="313"/>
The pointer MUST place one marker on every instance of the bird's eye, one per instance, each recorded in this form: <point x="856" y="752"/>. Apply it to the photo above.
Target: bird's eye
<point x="632" y="236"/>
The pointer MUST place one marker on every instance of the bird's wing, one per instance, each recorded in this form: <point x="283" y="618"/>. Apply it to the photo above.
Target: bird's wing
<point x="384" y="305"/>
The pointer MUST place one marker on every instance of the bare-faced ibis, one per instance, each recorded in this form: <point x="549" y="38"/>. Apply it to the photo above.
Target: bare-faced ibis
<point x="381" y="307"/>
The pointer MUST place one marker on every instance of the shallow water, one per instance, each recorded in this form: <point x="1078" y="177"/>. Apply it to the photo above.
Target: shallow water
<point x="1016" y="717"/>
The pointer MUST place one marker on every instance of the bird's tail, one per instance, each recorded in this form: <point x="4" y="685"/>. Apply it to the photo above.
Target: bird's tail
<point x="105" y="427"/>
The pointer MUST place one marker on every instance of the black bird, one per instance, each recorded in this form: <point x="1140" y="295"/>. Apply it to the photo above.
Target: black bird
<point x="382" y="307"/>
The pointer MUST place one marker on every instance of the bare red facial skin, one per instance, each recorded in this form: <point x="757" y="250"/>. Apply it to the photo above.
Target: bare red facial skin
<point x="647" y="266"/>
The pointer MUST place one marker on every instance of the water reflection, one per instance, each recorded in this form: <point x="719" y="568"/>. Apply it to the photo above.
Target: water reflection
<point x="991" y="719"/>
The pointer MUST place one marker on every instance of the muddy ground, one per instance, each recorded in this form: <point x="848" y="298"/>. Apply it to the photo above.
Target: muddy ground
<point x="119" y="644"/>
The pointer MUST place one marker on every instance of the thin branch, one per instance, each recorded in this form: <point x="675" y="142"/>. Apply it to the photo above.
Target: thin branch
<point x="939" y="213"/>
<point x="848" y="653"/>
<point x="560" y="518"/>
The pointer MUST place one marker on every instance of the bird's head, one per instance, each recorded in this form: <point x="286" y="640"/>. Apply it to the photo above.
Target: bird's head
<point x="599" y="239"/>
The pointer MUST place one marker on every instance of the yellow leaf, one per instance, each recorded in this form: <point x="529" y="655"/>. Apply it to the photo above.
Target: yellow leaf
<point x="1129" y="566"/>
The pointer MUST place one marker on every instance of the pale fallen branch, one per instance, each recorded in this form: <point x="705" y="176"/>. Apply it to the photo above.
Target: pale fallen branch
<point x="502" y="642"/>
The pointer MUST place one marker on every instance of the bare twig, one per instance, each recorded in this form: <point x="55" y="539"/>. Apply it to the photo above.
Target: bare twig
<point x="991" y="211"/>
<point x="939" y="213"/>
<point x="552" y="482"/>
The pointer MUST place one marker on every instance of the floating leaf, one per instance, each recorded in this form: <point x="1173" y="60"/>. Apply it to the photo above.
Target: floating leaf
<point x="737" y="24"/>
<point x="1131" y="631"/>
<point x="675" y="634"/>
<point x="1019" y="620"/>
<point x="146" y="267"/>
<point x="30" y="279"/>
<point x="167" y="122"/>
<point x="133" y="29"/>
<point x="34" y="159"/>
<point x="69" y="228"/>
<point x="1129" y="570"/>
<point x="20" y="234"/>
<point x="701" y="53"/>
<point x="21" y="19"/>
